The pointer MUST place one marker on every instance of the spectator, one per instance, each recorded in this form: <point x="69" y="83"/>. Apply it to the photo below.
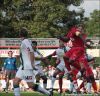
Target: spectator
<point x="2" y="81"/>
<point x="9" y="68"/>
<point x="98" y="72"/>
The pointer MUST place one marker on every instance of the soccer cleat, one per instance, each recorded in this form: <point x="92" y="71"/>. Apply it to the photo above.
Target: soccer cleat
<point x="51" y="91"/>
<point x="51" y="94"/>
<point x="6" y="91"/>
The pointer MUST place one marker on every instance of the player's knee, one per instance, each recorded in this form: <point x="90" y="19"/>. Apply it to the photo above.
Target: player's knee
<point x="15" y="84"/>
<point x="16" y="81"/>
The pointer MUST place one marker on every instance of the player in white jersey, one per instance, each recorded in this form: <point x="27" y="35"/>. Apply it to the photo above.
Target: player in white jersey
<point x="39" y="73"/>
<point x="27" y="66"/>
<point x="60" y="60"/>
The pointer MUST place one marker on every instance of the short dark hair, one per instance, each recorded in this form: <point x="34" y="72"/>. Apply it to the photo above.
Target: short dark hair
<point x="34" y="43"/>
<point x="10" y="51"/>
<point x="23" y="32"/>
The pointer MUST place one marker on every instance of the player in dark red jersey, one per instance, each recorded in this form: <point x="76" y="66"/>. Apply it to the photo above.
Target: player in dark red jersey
<point x="77" y="52"/>
<point x="77" y="37"/>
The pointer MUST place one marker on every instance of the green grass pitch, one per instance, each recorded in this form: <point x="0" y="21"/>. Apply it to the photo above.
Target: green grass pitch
<point x="39" y="94"/>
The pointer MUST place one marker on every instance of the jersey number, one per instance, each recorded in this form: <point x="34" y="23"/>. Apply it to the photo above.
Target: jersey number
<point x="28" y="77"/>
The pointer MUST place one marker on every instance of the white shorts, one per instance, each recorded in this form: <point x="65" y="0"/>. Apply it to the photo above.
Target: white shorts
<point x="61" y="67"/>
<point x="26" y="74"/>
<point x="39" y="70"/>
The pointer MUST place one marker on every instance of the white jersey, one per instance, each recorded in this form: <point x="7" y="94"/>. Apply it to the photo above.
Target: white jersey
<point x="39" y="55"/>
<point x="26" y="47"/>
<point x="60" y="52"/>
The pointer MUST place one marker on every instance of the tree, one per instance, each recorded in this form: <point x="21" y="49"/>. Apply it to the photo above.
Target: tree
<point x="92" y="24"/>
<point x="43" y="18"/>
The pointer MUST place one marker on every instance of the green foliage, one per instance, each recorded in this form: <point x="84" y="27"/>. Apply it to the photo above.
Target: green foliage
<point x="92" y="24"/>
<point x="97" y="62"/>
<point x="43" y="18"/>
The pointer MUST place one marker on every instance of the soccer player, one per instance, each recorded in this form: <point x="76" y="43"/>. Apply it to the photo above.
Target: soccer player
<point x="78" y="42"/>
<point x="60" y="64"/>
<point x="77" y="51"/>
<point x="39" y="70"/>
<point x="27" y="66"/>
<point x="10" y="68"/>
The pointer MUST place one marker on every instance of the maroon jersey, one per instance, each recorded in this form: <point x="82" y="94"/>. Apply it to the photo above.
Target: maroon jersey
<point x="75" y="53"/>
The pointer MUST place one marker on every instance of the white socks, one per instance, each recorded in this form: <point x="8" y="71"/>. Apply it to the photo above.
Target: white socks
<point x="44" y="85"/>
<point x="71" y="86"/>
<point x="42" y="90"/>
<point x="88" y="87"/>
<point x="17" y="91"/>
<point x="52" y="81"/>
